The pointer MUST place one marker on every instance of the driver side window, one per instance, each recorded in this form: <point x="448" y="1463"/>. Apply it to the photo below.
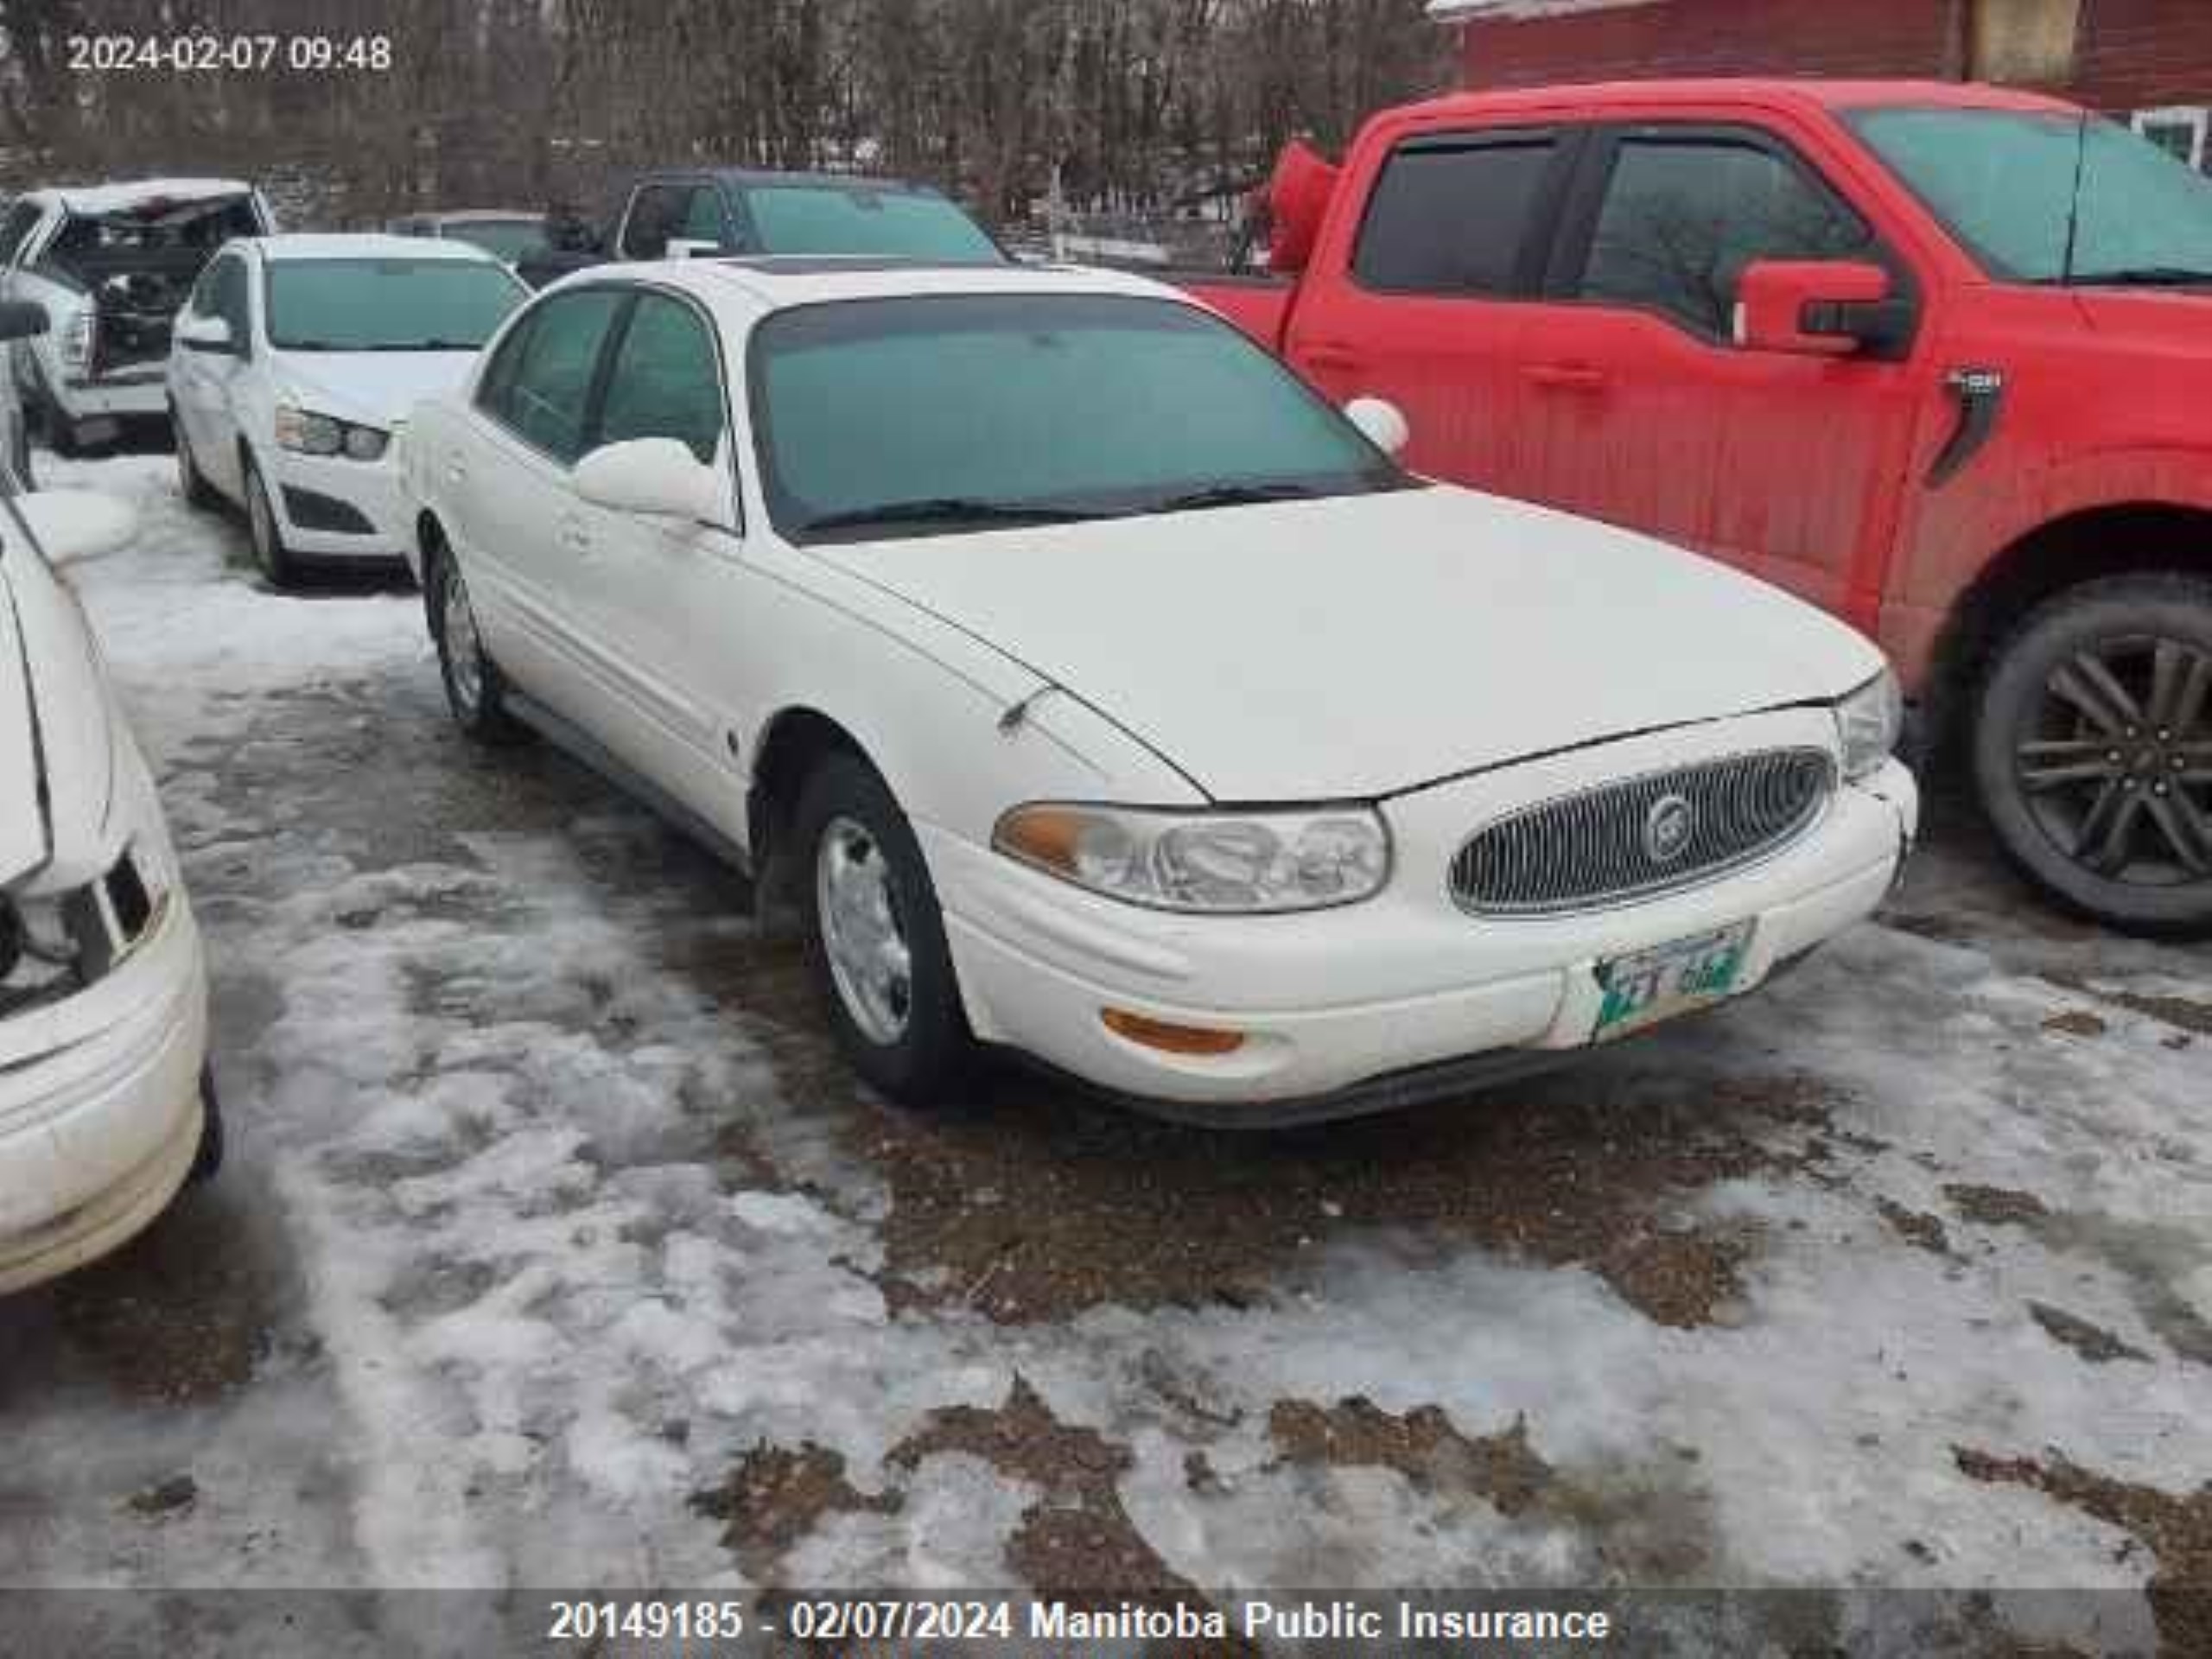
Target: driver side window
<point x="539" y="388"/>
<point x="665" y="382"/>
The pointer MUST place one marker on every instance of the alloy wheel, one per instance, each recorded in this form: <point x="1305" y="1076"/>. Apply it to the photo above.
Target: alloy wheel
<point x="2115" y="761"/>
<point x="870" y="962"/>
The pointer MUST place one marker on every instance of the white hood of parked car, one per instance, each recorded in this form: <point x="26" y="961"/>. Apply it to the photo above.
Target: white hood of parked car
<point x="54" y="722"/>
<point x="375" y="388"/>
<point x="1364" y="646"/>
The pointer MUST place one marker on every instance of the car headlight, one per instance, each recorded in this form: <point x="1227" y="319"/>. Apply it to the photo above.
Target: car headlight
<point x="1213" y="863"/>
<point x="306" y="433"/>
<point x="1868" y="723"/>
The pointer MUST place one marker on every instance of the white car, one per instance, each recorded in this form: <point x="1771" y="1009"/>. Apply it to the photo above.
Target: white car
<point x="294" y="362"/>
<point x="1101" y="693"/>
<point x="105" y="1105"/>
<point x="110" y="264"/>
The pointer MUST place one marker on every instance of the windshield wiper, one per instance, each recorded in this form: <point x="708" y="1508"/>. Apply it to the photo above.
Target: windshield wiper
<point x="2142" y="277"/>
<point x="955" y="509"/>
<point x="1234" y="495"/>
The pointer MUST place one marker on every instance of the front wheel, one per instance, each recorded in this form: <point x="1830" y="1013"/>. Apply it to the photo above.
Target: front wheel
<point x="876" y="936"/>
<point x="2093" y="751"/>
<point x="275" y="560"/>
<point x="191" y="482"/>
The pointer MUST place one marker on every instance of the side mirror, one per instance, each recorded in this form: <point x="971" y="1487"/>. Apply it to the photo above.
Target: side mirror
<point x="1383" y="423"/>
<point x="650" y="475"/>
<point x="682" y="247"/>
<point x="1818" y="308"/>
<point x="21" y="319"/>
<point x="206" y="334"/>
<point x="71" y="525"/>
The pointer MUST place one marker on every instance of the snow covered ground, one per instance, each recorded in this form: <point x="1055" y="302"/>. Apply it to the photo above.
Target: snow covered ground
<point x="557" y="1248"/>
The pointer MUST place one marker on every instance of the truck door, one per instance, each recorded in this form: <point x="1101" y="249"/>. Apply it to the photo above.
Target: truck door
<point x="1639" y="409"/>
<point x="1421" y="301"/>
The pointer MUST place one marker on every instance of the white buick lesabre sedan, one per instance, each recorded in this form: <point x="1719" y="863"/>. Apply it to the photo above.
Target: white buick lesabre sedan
<point x="1101" y="693"/>
<point x="106" y="1108"/>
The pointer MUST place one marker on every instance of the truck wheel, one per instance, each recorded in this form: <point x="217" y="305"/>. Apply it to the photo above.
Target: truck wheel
<point x="875" y="937"/>
<point x="475" y="689"/>
<point x="2093" y="751"/>
<point x="269" y="552"/>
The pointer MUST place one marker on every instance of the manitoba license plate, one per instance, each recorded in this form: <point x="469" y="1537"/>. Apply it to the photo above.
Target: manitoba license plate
<point x="1668" y="979"/>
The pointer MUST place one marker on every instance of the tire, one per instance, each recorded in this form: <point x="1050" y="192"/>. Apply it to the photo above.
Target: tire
<point x="905" y="1034"/>
<point x="2092" y="746"/>
<point x="194" y="486"/>
<point x="476" y="691"/>
<point x="276" y="560"/>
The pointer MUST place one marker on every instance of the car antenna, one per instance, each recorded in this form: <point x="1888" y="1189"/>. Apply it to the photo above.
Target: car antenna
<point x="2074" y="209"/>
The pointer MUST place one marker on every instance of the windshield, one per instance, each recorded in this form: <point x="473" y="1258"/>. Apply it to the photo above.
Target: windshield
<point x="921" y="415"/>
<point x="2003" y="182"/>
<point x="387" y="305"/>
<point x="887" y="224"/>
<point x="503" y="239"/>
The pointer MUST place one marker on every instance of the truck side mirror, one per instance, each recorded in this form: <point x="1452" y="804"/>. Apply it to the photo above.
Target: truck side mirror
<point x="1818" y="308"/>
<point x="211" y="334"/>
<point x="21" y="319"/>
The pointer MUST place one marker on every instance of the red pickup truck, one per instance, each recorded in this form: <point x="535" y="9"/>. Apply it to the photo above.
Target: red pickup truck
<point x="1937" y="358"/>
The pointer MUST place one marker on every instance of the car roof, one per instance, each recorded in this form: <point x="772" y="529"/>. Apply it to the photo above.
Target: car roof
<point x="135" y="195"/>
<point x="474" y="216"/>
<point x="778" y="285"/>
<point x="1802" y="94"/>
<point x="772" y="178"/>
<point x="364" y="244"/>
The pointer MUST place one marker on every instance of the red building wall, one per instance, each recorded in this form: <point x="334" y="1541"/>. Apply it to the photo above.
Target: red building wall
<point x="2129" y="55"/>
<point x="1715" y="37"/>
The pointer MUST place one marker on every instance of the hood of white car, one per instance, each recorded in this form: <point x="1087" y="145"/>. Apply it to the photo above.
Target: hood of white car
<point x="56" y="752"/>
<point x="1364" y="646"/>
<point x="375" y="388"/>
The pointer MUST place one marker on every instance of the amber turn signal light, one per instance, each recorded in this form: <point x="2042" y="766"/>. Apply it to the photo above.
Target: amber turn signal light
<point x="1171" y="1039"/>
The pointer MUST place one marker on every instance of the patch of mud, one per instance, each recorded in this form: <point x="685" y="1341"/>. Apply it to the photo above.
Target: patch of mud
<point x="1646" y="1526"/>
<point x="1076" y="1541"/>
<point x="2093" y="1342"/>
<point x="2177" y="1530"/>
<point x="775" y="1498"/>
<point x="1916" y="1227"/>
<point x="1995" y="1206"/>
<point x="1423" y="1445"/>
<point x="1033" y="1209"/>
<point x="2077" y="1023"/>
<point x="2183" y="1014"/>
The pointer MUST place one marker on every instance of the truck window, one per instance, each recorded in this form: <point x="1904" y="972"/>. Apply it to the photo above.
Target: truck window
<point x="1452" y="216"/>
<point x="655" y="213"/>
<point x="1682" y="217"/>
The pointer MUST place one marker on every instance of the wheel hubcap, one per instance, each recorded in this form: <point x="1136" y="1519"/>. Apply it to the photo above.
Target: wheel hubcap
<point x="464" y="652"/>
<point x="869" y="962"/>
<point x="2116" y="764"/>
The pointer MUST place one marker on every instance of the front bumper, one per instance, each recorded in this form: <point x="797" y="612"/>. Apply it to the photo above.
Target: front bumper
<point x="100" y="1108"/>
<point x="304" y="488"/>
<point x="1404" y="996"/>
<point x="128" y="394"/>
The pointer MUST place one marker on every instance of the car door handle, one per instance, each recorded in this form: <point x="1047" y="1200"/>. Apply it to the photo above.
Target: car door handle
<point x="575" y="537"/>
<point x="456" y="470"/>
<point x="1567" y="377"/>
<point x="1329" y="354"/>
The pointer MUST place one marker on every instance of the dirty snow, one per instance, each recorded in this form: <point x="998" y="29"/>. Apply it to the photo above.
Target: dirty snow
<point x="562" y="1223"/>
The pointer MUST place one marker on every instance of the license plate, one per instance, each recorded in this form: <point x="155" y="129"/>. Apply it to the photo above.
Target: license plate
<point x="1653" y="985"/>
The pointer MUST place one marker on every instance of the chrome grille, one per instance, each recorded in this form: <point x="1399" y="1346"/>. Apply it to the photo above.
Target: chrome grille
<point x="1601" y="848"/>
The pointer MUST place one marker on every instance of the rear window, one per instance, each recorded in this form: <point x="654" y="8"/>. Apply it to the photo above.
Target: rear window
<point x="884" y="224"/>
<point x="1452" y="217"/>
